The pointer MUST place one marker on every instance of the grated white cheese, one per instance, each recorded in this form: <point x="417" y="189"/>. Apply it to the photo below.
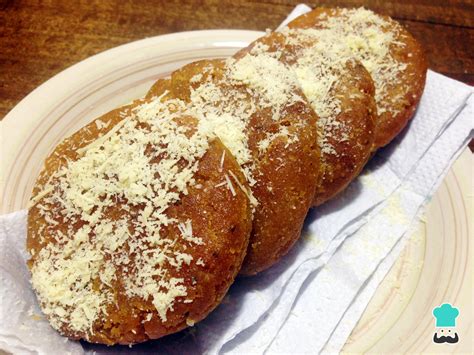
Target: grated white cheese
<point x="118" y="166"/>
<point x="229" y="185"/>
<point x="200" y="262"/>
<point x="256" y="70"/>
<point x="221" y="165"/>
<point x="249" y="194"/>
<point x="319" y="57"/>
<point x="248" y="86"/>
<point x="371" y="40"/>
<point x="186" y="230"/>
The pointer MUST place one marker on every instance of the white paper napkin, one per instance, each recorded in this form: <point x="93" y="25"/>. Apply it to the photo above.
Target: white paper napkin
<point x="23" y="329"/>
<point x="255" y="308"/>
<point x="352" y="314"/>
<point x="337" y="285"/>
<point x="357" y="307"/>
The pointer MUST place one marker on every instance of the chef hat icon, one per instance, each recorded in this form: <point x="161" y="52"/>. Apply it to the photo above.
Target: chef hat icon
<point x="445" y="315"/>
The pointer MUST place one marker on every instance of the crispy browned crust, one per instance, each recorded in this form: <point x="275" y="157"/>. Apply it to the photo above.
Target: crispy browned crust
<point x="358" y="114"/>
<point x="223" y="221"/>
<point x="291" y="172"/>
<point x="355" y="91"/>
<point x="414" y="77"/>
<point x="388" y="125"/>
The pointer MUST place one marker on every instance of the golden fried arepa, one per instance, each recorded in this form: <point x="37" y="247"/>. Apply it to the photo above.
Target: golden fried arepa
<point x="340" y="91"/>
<point x="391" y="55"/>
<point x="131" y="232"/>
<point x="254" y="105"/>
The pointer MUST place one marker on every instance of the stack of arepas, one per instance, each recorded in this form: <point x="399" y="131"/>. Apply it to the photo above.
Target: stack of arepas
<point x="139" y="222"/>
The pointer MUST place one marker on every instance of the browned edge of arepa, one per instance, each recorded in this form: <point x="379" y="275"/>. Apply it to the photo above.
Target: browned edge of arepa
<point x="221" y="219"/>
<point x="408" y="87"/>
<point x="285" y="174"/>
<point x="348" y="145"/>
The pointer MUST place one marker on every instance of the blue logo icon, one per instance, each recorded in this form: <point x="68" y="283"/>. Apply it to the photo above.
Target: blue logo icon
<point x="445" y="316"/>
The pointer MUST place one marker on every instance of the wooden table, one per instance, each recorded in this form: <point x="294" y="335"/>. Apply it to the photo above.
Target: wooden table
<point x="38" y="39"/>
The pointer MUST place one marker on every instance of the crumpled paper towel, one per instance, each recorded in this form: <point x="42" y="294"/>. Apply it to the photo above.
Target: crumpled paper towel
<point x="23" y="329"/>
<point x="247" y="315"/>
<point x="463" y="123"/>
<point x="337" y="285"/>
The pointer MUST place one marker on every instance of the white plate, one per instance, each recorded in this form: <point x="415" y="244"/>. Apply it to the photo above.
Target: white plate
<point x="433" y="268"/>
